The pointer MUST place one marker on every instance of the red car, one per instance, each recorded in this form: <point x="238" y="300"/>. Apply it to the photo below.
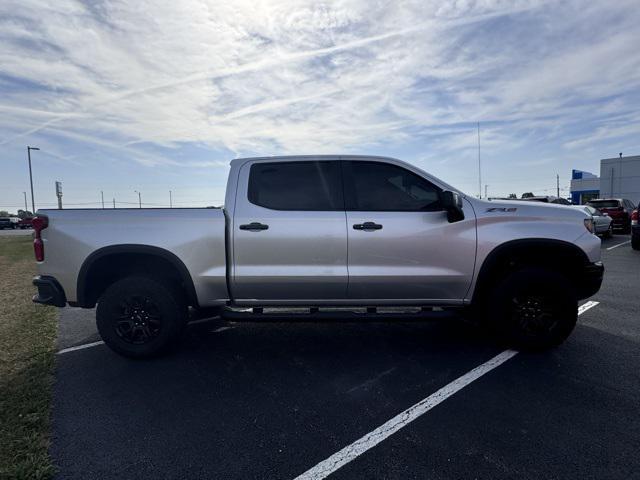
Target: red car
<point x="619" y="209"/>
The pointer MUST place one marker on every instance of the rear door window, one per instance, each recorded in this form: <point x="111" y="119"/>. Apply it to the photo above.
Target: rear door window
<point x="312" y="186"/>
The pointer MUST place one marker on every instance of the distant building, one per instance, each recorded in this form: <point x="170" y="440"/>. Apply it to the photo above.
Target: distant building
<point x="584" y="187"/>
<point x="619" y="178"/>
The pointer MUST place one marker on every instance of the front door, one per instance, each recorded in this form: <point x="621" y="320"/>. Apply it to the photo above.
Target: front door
<point x="289" y="233"/>
<point x="401" y="245"/>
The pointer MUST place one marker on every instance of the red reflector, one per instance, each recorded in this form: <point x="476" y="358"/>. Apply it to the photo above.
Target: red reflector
<point x="39" y="223"/>
<point x="38" y="249"/>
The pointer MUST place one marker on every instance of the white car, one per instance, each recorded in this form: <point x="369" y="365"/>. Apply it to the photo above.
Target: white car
<point x="602" y="222"/>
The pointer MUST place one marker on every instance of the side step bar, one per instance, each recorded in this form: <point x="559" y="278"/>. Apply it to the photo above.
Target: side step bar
<point x="315" y="314"/>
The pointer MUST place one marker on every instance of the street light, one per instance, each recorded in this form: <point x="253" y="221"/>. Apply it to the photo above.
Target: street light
<point x="33" y="203"/>
<point x="139" y="198"/>
<point x="170" y="199"/>
<point x="26" y="209"/>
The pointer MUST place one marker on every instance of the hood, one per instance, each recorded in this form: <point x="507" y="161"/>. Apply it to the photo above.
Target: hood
<point x="525" y="208"/>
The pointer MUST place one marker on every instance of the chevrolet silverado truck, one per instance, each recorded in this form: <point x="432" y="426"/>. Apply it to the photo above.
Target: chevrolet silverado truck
<point x="319" y="232"/>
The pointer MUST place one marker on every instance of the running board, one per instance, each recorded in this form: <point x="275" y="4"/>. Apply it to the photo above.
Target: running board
<point x="316" y="314"/>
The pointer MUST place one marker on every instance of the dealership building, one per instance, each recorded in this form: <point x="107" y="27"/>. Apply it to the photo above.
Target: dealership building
<point x="619" y="178"/>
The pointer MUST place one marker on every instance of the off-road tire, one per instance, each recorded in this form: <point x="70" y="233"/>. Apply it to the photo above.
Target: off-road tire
<point x="140" y="317"/>
<point x="533" y="309"/>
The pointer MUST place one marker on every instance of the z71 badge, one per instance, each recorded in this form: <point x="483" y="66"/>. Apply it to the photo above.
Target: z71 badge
<point x="502" y="209"/>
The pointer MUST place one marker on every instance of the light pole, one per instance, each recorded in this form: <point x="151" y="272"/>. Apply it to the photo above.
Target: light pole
<point x="139" y="198"/>
<point x="33" y="203"/>
<point x="102" y="198"/>
<point x="26" y="209"/>
<point x="170" y="200"/>
<point x="479" y="165"/>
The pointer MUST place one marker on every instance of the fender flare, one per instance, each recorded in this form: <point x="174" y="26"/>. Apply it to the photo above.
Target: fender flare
<point x="501" y="251"/>
<point x="81" y="290"/>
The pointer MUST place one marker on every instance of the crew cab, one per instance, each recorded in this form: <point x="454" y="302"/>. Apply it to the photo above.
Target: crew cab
<point x="319" y="232"/>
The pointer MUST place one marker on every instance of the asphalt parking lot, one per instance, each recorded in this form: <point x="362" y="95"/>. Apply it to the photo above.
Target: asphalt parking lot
<point x="275" y="400"/>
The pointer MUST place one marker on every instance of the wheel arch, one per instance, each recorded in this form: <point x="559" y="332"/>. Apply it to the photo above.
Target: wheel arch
<point x="109" y="264"/>
<point x="558" y="255"/>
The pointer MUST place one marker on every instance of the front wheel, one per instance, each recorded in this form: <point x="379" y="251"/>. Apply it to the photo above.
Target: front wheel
<point x="533" y="309"/>
<point x="140" y="317"/>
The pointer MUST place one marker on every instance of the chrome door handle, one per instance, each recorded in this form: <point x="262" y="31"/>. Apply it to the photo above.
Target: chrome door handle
<point x="254" y="226"/>
<point x="367" y="226"/>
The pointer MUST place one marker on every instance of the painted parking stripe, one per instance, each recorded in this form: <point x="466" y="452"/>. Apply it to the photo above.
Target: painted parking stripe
<point x="384" y="431"/>
<point x="586" y="306"/>
<point x="619" y="245"/>
<point x="221" y="329"/>
<point x="95" y="344"/>
<point x="80" y="347"/>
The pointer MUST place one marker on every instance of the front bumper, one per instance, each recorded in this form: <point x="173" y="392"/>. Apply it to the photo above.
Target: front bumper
<point x="590" y="279"/>
<point x="49" y="291"/>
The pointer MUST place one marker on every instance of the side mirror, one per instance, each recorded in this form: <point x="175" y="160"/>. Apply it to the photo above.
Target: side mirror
<point x="452" y="203"/>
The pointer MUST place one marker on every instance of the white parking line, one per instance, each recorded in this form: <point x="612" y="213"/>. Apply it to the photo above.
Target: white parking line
<point x="373" y="438"/>
<point x="586" y="306"/>
<point x="619" y="245"/>
<point x="221" y="329"/>
<point x="80" y="347"/>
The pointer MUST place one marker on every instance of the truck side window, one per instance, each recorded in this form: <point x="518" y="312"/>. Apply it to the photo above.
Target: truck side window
<point x="375" y="186"/>
<point x="313" y="186"/>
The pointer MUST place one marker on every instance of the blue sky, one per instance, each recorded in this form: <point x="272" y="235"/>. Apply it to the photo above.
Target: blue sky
<point x="159" y="96"/>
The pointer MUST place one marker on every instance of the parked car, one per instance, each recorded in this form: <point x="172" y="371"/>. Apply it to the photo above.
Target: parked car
<point x="548" y="199"/>
<point x="635" y="229"/>
<point x="25" y="222"/>
<point x="321" y="231"/>
<point x="602" y="222"/>
<point x="619" y="209"/>
<point x="7" y="222"/>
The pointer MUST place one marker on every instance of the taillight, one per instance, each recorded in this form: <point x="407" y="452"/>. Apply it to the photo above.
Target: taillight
<point x="634" y="218"/>
<point x="588" y="224"/>
<point x="39" y="224"/>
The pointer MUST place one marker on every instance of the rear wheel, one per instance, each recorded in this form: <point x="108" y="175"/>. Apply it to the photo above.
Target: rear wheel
<point x="533" y="309"/>
<point x="140" y="317"/>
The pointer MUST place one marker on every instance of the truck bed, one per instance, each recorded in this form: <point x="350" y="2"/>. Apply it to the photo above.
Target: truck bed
<point x="196" y="236"/>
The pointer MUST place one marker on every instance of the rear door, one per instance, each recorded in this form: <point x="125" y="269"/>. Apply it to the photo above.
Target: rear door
<point x="289" y="238"/>
<point x="401" y="245"/>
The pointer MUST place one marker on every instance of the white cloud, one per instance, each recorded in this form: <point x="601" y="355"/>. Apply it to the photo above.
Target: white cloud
<point x="294" y="76"/>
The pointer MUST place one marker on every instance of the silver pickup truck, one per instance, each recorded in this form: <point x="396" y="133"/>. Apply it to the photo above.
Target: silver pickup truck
<point x="320" y="232"/>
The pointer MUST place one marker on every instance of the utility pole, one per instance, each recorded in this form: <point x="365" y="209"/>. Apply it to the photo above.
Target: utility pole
<point x="170" y="200"/>
<point x="33" y="203"/>
<point x="102" y="198"/>
<point x="479" y="165"/>
<point x="26" y="209"/>
<point x="114" y="203"/>
<point x="485" y="191"/>
<point x="139" y="199"/>
<point x="59" y="194"/>
<point x="557" y="185"/>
